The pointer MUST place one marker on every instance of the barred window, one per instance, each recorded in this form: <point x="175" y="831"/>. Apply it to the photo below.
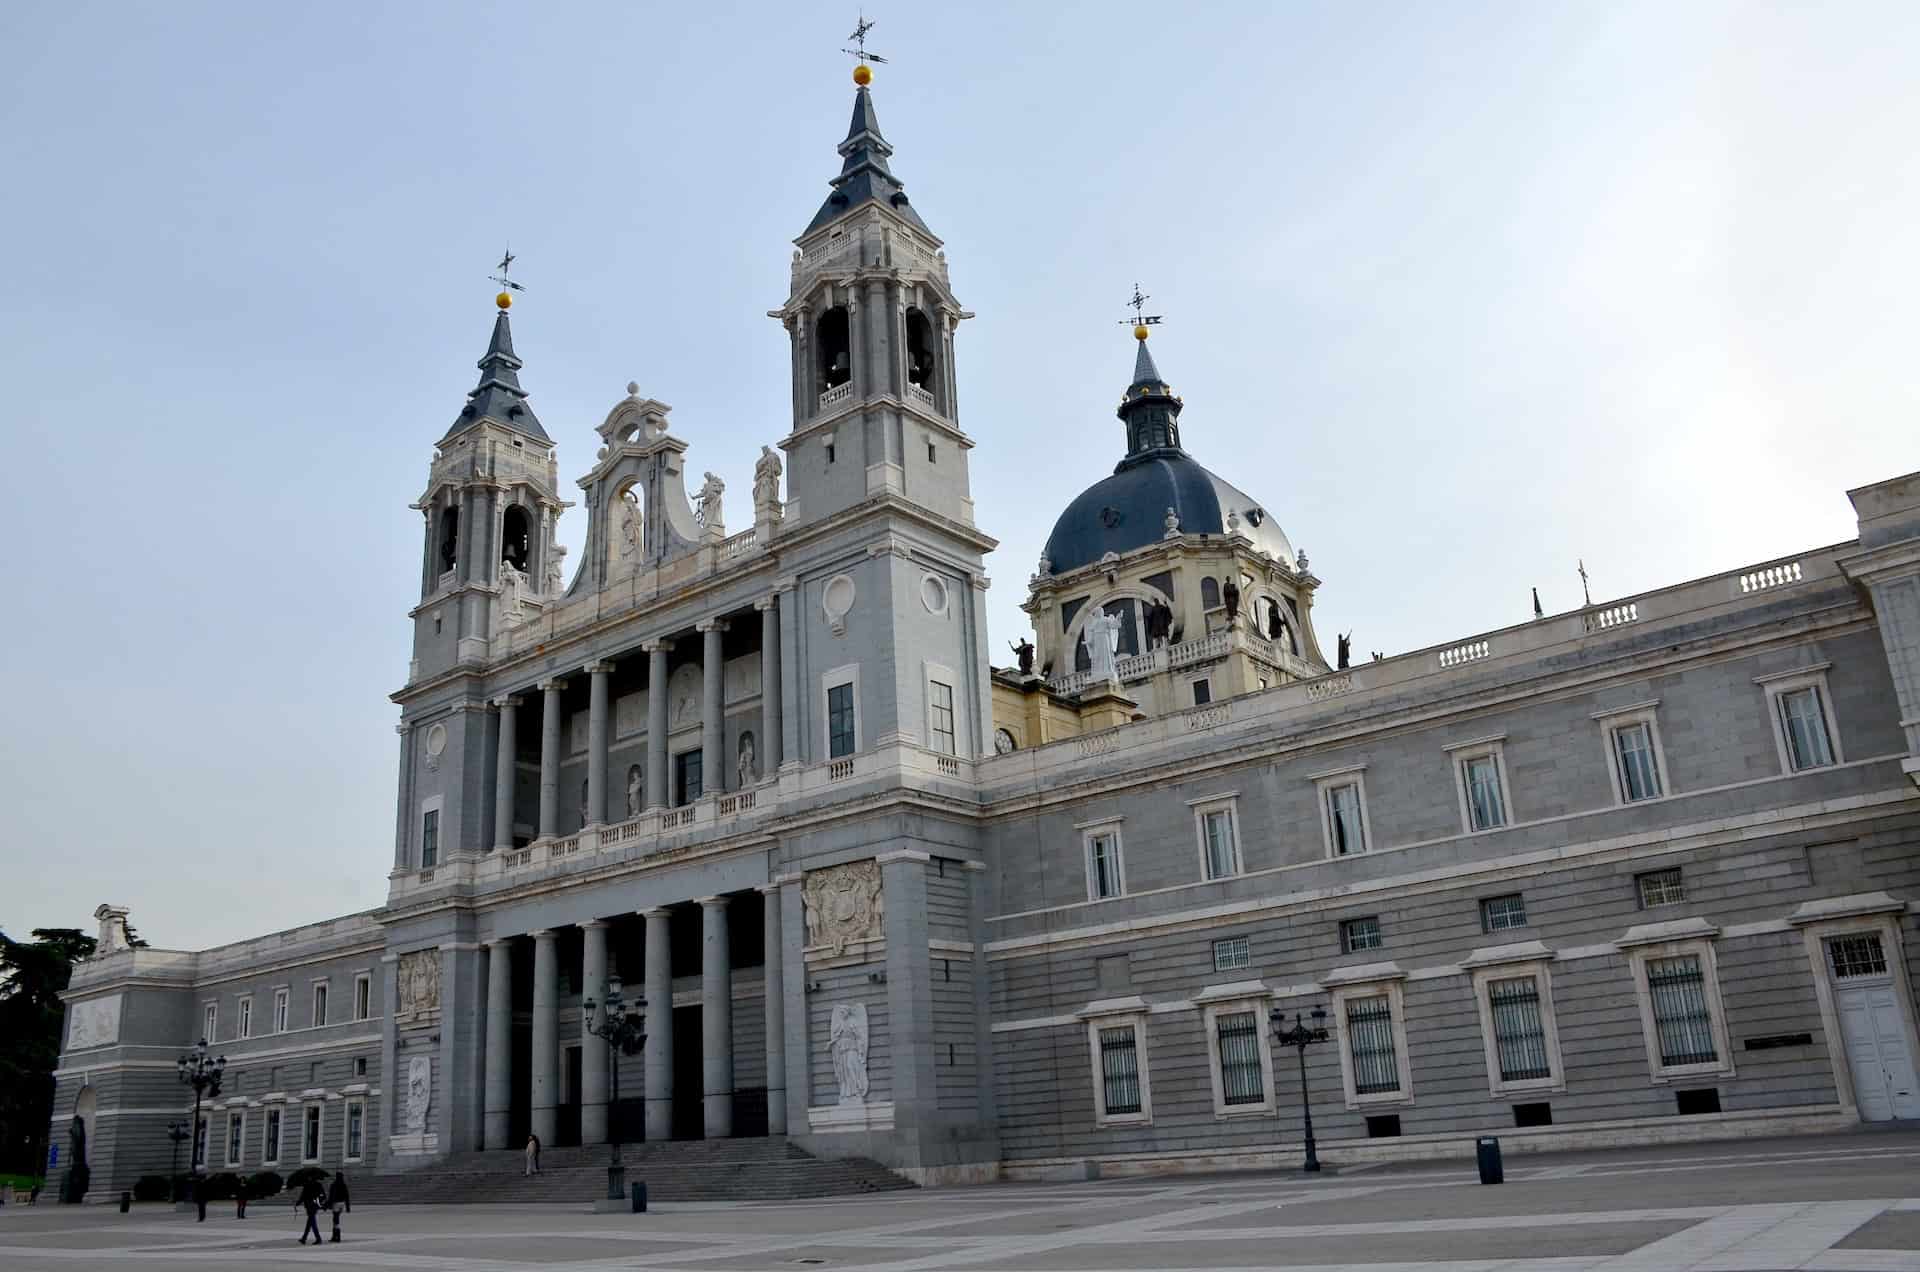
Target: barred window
<point x="1633" y="751"/>
<point x="1359" y="934"/>
<point x="1804" y="721"/>
<point x="1239" y="1035"/>
<point x="1681" y="1016"/>
<point x="1497" y="914"/>
<point x="1231" y="953"/>
<point x="1120" y="1069"/>
<point x="1519" y="1033"/>
<point x="1376" y="1066"/>
<point x="1857" y="956"/>
<point x="1660" y="887"/>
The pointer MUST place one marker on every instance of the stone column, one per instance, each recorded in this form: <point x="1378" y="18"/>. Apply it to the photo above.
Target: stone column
<point x="769" y="607"/>
<point x="389" y="1063"/>
<point x="712" y="739"/>
<point x="506" y="774"/>
<point x="597" y="727"/>
<point x="716" y="1018"/>
<point x="658" y="1057"/>
<point x="593" y="1051"/>
<point x="403" y="820"/>
<point x="793" y="715"/>
<point x="550" y="760"/>
<point x="498" y="1110"/>
<point x="877" y="346"/>
<point x="657" y="723"/>
<point x="774" y="984"/>
<point x="545" y="1064"/>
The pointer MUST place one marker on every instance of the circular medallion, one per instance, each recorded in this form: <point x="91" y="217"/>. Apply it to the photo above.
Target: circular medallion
<point x="933" y="593"/>
<point x="1003" y="743"/>
<point x="436" y="745"/>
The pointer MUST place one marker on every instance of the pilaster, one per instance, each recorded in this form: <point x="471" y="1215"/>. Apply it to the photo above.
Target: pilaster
<point x="597" y="726"/>
<point x="712" y="676"/>
<point x="550" y="759"/>
<point x="656" y="651"/>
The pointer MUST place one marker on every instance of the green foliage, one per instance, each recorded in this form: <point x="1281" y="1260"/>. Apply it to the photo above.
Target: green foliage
<point x="32" y="974"/>
<point x="151" y="1188"/>
<point x="264" y="1183"/>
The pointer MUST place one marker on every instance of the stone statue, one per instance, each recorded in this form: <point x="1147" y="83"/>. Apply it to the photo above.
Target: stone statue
<point x="419" y="981"/>
<point x="556" y="570"/>
<point x="636" y="790"/>
<point x="1046" y="566"/>
<point x="1346" y="650"/>
<point x="630" y="522"/>
<point x="1159" y="624"/>
<point x="706" y="508"/>
<point x="843" y="905"/>
<point x="1233" y="523"/>
<point x="1230" y="594"/>
<point x="585" y="800"/>
<point x="1023" y="650"/>
<point x="513" y="586"/>
<point x="847" y="1037"/>
<point x="1102" y="631"/>
<point x="1300" y="562"/>
<point x="1276" y="626"/>
<point x="745" y="774"/>
<point x="113" y="929"/>
<point x="766" y="486"/>
<point x="1172" y="523"/>
<point x="419" y="1093"/>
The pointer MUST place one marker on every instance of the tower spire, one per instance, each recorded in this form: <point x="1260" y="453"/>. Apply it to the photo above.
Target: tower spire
<point x="864" y="175"/>
<point x="1149" y="408"/>
<point x="499" y="395"/>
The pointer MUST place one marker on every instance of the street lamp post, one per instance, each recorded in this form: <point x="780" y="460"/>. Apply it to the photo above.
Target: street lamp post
<point x="1300" y="1037"/>
<point x="201" y="1071"/>
<point x="622" y="1024"/>
<point x="176" y="1131"/>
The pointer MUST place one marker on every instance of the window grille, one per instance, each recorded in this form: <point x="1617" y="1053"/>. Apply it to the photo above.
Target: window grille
<point x="942" y="718"/>
<point x="1120" y="1070"/>
<point x="1639" y="772"/>
<point x="1485" y="807"/>
<point x="1231" y="953"/>
<point x="1240" y="1079"/>
<point x="1360" y="934"/>
<point x="1519" y="1033"/>
<point x="840" y="739"/>
<point x="1376" y="1066"/>
<point x="430" y="839"/>
<point x="1857" y="956"/>
<point x="1497" y="914"/>
<point x="1343" y="819"/>
<point x="1660" y="887"/>
<point x="1681" y="1016"/>
<point x="1805" y="725"/>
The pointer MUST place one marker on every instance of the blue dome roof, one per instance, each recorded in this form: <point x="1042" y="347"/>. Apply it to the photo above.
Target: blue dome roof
<point x="1128" y="510"/>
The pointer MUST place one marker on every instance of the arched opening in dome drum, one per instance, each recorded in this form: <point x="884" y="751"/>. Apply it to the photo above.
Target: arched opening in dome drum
<point x="919" y="350"/>
<point x="514" y="537"/>
<point x="832" y="339"/>
<point x="449" y="538"/>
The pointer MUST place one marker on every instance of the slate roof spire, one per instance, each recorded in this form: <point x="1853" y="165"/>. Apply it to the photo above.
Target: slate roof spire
<point x="1149" y="408"/>
<point x="864" y="175"/>
<point x="498" y="396"/>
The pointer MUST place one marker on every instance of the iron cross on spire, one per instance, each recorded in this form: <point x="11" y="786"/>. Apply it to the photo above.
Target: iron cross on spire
<point x="1140" y="318"/>
<point x="859" y="38"/>
<point x="506" y="264"/>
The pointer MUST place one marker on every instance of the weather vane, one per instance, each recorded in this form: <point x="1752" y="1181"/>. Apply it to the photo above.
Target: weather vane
<point x="506" y="264"/>
<point x="1141" y="320"/>
<point x="859" y="38"/>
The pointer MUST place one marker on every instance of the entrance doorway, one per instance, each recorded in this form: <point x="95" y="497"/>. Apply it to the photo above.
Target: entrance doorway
<point x="689" y="1087"/>
<point x="1873" y="1028"/>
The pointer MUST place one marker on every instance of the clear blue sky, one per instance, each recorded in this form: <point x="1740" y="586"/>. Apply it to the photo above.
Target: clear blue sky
<point x="1462" y="292"/>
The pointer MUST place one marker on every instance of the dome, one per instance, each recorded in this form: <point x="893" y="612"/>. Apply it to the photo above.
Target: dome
<point x="1128" y="510"/>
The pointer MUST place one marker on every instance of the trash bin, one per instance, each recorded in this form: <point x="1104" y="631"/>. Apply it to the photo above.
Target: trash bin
<point x="1487" y="1149"/>
<point x="640" y="1198"/>
<point x="126" y="1202"/>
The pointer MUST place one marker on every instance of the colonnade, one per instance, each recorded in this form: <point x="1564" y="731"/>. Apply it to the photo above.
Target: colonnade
<point x="716" y="1022"/>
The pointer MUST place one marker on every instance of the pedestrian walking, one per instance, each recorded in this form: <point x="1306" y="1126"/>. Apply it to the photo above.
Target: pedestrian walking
<point x="533" y="1155"/>
<point x="312" y="1196"/>
<point x="338" y="1200"/>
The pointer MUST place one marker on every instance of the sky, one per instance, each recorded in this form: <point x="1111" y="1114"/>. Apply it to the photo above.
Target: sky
<point x="1463" y="293"/>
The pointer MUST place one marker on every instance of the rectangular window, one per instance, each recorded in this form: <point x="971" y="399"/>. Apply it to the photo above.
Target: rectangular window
<point x="236" y="1135"/>
<point x="1633" y="753"/>
<point x="279" y="1011"/>
<point x="1498" y="914"/>
<point x="1120" y="1070"/>
<point x="1519" y="1032"/>
<point x="270" y="1151"/>
<point x="1202" y="692"/>
<point x="1486" y="807"/>
<point x="429" y="838"/>
<point x="840" y="739"/>
<point x="688" y="775"/>
<point x="310" y="1141"/>
<point x="1376" y="1065"/>
<point x="1239" y="1038"/>
<point x="1681" y="1017"/>
<point x="1231" y="954"/>
<point x="1857" y="956"/>
<point x="359" y="1066"/>
<point x="1103" y="866"/>
<point x="362" y="996"/>
<point x="356" y="1128"/>
<point x="210" y="1023"/>
<point x="1359" y="934"/>
<point x="1660" y="887"/>
<point x="1217" y="829"/>
<point x="246" y="1017"/>
<point x="1344" y="825"/>
<point x="320" y="1004"/>
<point x="942" y="707"/>
<point x="1803" y="721"/>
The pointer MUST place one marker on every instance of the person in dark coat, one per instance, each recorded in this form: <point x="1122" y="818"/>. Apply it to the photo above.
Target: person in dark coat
<point x="312" y="1196"/>
<point x="337" y="1200"/>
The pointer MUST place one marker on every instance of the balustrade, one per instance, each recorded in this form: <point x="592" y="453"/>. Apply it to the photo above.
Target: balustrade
<point x="1771" y="576"/>
<point x="837" y="394"/>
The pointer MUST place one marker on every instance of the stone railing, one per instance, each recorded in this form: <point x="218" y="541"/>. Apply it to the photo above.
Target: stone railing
<point x="1599" y="620"/>
<point x="1133" y="667"/>
<point x="738" y="802"/>
<point x="920" y="395"/>
<point x="837" y="394"/>
<point x="739" y="545"/>
<point x="1205" y="649"/>
<point x="1770" y="576"/>
<point x="1470" y="651"/>
<point x="674" y="818"/>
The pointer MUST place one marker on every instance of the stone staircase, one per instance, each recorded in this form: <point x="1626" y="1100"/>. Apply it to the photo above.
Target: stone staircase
<point x="765" y="1169"/>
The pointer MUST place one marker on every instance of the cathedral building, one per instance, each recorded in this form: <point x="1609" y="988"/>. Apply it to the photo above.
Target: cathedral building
<point x="1642" y="871"/>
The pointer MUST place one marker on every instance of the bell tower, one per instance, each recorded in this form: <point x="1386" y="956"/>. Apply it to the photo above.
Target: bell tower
<point x="489" y="510"/>
<point x="871" y="318"/>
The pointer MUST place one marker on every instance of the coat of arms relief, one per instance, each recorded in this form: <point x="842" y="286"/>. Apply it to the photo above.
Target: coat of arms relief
<point x="843" y="905"/>
<point x="418" y="982"/>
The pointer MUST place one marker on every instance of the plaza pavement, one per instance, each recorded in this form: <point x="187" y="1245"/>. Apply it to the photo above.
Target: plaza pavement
<point x="1837" y="1204"/>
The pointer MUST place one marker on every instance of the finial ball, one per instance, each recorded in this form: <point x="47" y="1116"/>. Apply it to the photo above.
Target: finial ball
<point x="503" y="300"/>
<point x="1140" y="332"/>
<point x="863" y="75"/>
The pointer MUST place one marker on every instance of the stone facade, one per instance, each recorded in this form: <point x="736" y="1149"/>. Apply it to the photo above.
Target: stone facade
<point x="1640" y="871"/>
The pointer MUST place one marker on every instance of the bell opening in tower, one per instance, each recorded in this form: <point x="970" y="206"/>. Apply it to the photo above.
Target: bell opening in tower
<point x="514" y="537"/>
<point x="833" y="339"/>
<point x="449" y="538"/>
<point x="919" y="350"/>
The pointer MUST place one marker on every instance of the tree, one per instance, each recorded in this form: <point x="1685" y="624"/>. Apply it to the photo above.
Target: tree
<point x="32" y="976"/>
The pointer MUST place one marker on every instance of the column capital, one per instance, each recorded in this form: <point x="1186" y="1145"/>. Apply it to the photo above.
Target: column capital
<point x="499" y="942"/>
<point x="711" y="625"/>
<point x="789" y="584"/>
<point x="664" y="645"/>
<point x="552" y="684"/>
<point x="508" y="700"/>
<point x="592" y="924"/>
<point x="598" y="668"/>
<point x="541" y="934"/>
<point x="656" y="912"/>
<point x="403" y="728"/>
<point x="712" y="903"/>
<point x="766" y="603"/>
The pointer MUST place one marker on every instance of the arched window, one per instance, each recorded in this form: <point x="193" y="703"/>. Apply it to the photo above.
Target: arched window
<point x="833" y="341"/>
<point x="514" y="538"/>
<point x="449" y="537"/>
<point x="920" y="358"/>
<point x="1209" y="593"/>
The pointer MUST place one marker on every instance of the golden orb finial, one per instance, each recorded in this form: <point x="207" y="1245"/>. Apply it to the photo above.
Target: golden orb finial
<point x="504" y="300"/>
<point x="1140" y="332"/>
<point x="863" y="75"/>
